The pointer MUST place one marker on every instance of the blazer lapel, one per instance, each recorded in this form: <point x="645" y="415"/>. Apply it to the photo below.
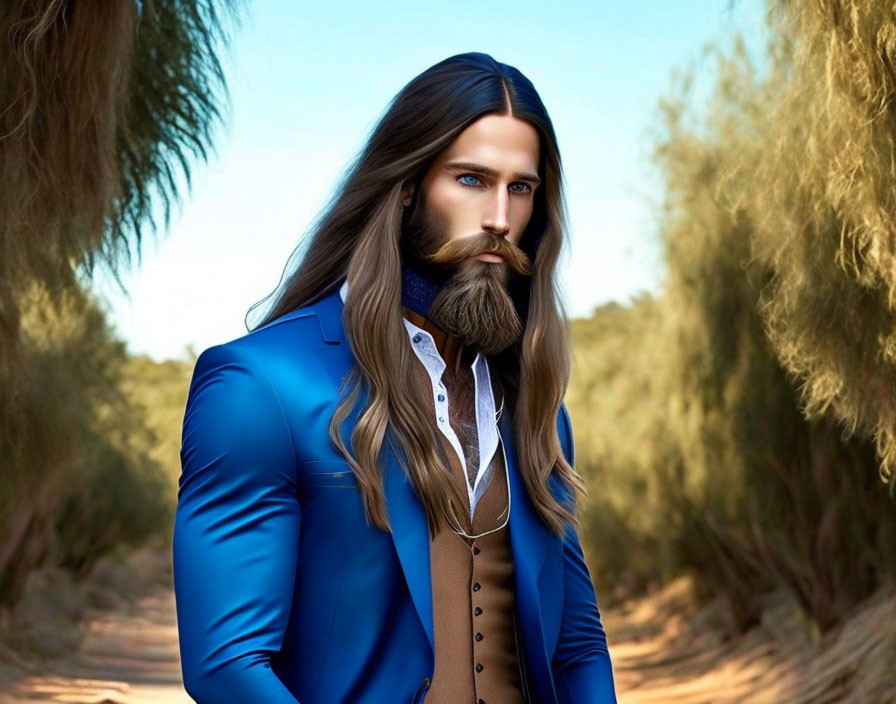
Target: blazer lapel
<point x="407" y="518"/>
<point x="411" y="537"/>
<point x="528" y="534"/>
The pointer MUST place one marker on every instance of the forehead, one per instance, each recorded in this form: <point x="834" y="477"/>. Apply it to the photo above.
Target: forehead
<point x="503" y="142"/>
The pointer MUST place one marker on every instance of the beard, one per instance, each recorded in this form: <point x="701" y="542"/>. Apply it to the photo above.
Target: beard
<point x="473" y="303"/>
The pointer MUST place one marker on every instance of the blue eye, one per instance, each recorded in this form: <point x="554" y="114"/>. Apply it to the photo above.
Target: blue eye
<point x="526" y="187"/>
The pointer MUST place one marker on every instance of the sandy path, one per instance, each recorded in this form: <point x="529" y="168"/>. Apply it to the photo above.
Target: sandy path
<point x="663" y="651"/>
<point x="127" y="657"/>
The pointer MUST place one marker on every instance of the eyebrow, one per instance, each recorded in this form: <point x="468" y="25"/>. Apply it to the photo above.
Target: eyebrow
<point x="486" y="171"/>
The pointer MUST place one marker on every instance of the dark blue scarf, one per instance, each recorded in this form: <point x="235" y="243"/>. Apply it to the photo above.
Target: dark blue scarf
<point x="418" y="289"/>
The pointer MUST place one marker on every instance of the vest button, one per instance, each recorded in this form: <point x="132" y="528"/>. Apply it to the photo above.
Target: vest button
<point x="481" y="701"/>
<point x="478" y="611"/>
<point x="478" y="667"/>
<point x="477" y="587"/>
<point x="476" y="551"/>
<point x="478" y="636"/>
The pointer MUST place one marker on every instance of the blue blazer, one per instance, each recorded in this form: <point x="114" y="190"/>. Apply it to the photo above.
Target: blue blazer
<point x="284" y="592"/>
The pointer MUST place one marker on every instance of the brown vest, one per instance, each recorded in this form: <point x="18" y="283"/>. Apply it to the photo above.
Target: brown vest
<point x="474" y="597"/>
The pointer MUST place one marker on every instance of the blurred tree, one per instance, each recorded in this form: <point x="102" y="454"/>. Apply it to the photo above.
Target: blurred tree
<point x="86" y="479"/>
<point x="773" y="498"/>
<point x="732" y="420"/>
<point x="104" y="106"/>
<point x="823" y="205"/>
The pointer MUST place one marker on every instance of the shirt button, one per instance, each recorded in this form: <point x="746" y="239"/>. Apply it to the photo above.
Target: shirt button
<point x="478" y="667"/>
<point x="478" y="636"/>
<point x="477" y="587"/>
<point x="441" y="397"/>
<point x="417" y="337"/>
<point x="478" y="611"/>
<point x="441" y="420"/>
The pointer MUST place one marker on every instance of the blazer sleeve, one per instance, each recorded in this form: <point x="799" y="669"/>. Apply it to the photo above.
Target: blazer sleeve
<point x="235" y="533"/>
<point x="583" y="671"/>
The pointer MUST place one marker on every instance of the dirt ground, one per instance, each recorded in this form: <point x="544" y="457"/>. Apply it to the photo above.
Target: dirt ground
<point x="128" y="656"/>
<point x="663" y="650"/>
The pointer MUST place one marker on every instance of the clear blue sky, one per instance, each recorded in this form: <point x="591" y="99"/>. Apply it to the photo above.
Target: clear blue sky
<point x="309" y="80"/>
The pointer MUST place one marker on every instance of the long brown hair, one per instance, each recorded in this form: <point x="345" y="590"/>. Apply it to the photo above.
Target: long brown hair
<point x="358" y="237"/>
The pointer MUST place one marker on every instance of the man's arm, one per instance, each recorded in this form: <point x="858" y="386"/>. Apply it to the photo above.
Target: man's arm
<point x="583" y="672"/>
<point x="235" y="532"/>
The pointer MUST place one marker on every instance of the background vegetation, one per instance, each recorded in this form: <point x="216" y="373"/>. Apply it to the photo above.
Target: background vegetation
<point x="738" y="426"/>
<point x="103" y="107"/>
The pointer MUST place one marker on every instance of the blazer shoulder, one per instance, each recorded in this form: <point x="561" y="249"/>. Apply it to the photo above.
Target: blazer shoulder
<point x="290" y="334"/>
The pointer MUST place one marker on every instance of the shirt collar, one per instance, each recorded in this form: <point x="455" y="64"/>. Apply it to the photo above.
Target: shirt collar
<point x="413" y="330"/>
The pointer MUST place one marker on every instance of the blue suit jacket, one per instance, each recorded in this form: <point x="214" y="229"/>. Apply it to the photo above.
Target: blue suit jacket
<point x="284" y="592"/>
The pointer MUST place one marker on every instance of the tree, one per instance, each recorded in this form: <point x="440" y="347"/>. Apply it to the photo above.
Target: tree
<point x="104" y="106"/>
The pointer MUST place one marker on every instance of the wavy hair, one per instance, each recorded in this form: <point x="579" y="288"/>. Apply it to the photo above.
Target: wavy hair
<point x="358" y="237"/>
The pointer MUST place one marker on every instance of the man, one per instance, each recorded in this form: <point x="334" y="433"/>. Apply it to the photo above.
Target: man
<point x="377" y="497"/>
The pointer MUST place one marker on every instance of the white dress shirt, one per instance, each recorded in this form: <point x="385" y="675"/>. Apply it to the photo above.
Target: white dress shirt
<point x="486" y="417"/>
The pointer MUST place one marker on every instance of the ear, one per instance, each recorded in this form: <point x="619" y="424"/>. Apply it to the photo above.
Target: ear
<point x="406" y="192"/>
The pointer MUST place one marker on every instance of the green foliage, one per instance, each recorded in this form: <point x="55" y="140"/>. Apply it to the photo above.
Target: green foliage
<point x="172" y="109"/>
<point x="616" y="402"/>
<point x="820" y="194"/>
<point x="81" y="480"/>
<point x="103" y="108"/>
<point x="690" y="412"/>
<point x="159" y="390"/>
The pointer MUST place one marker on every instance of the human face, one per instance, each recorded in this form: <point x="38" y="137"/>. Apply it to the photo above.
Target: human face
<point x="475" y="203"/>
<point x="484" y="182"/>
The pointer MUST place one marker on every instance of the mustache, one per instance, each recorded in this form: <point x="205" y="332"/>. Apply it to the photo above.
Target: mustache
<point x="461" y="248"/>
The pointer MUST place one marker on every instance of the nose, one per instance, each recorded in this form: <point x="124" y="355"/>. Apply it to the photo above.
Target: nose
<point x="497" y="217"/>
